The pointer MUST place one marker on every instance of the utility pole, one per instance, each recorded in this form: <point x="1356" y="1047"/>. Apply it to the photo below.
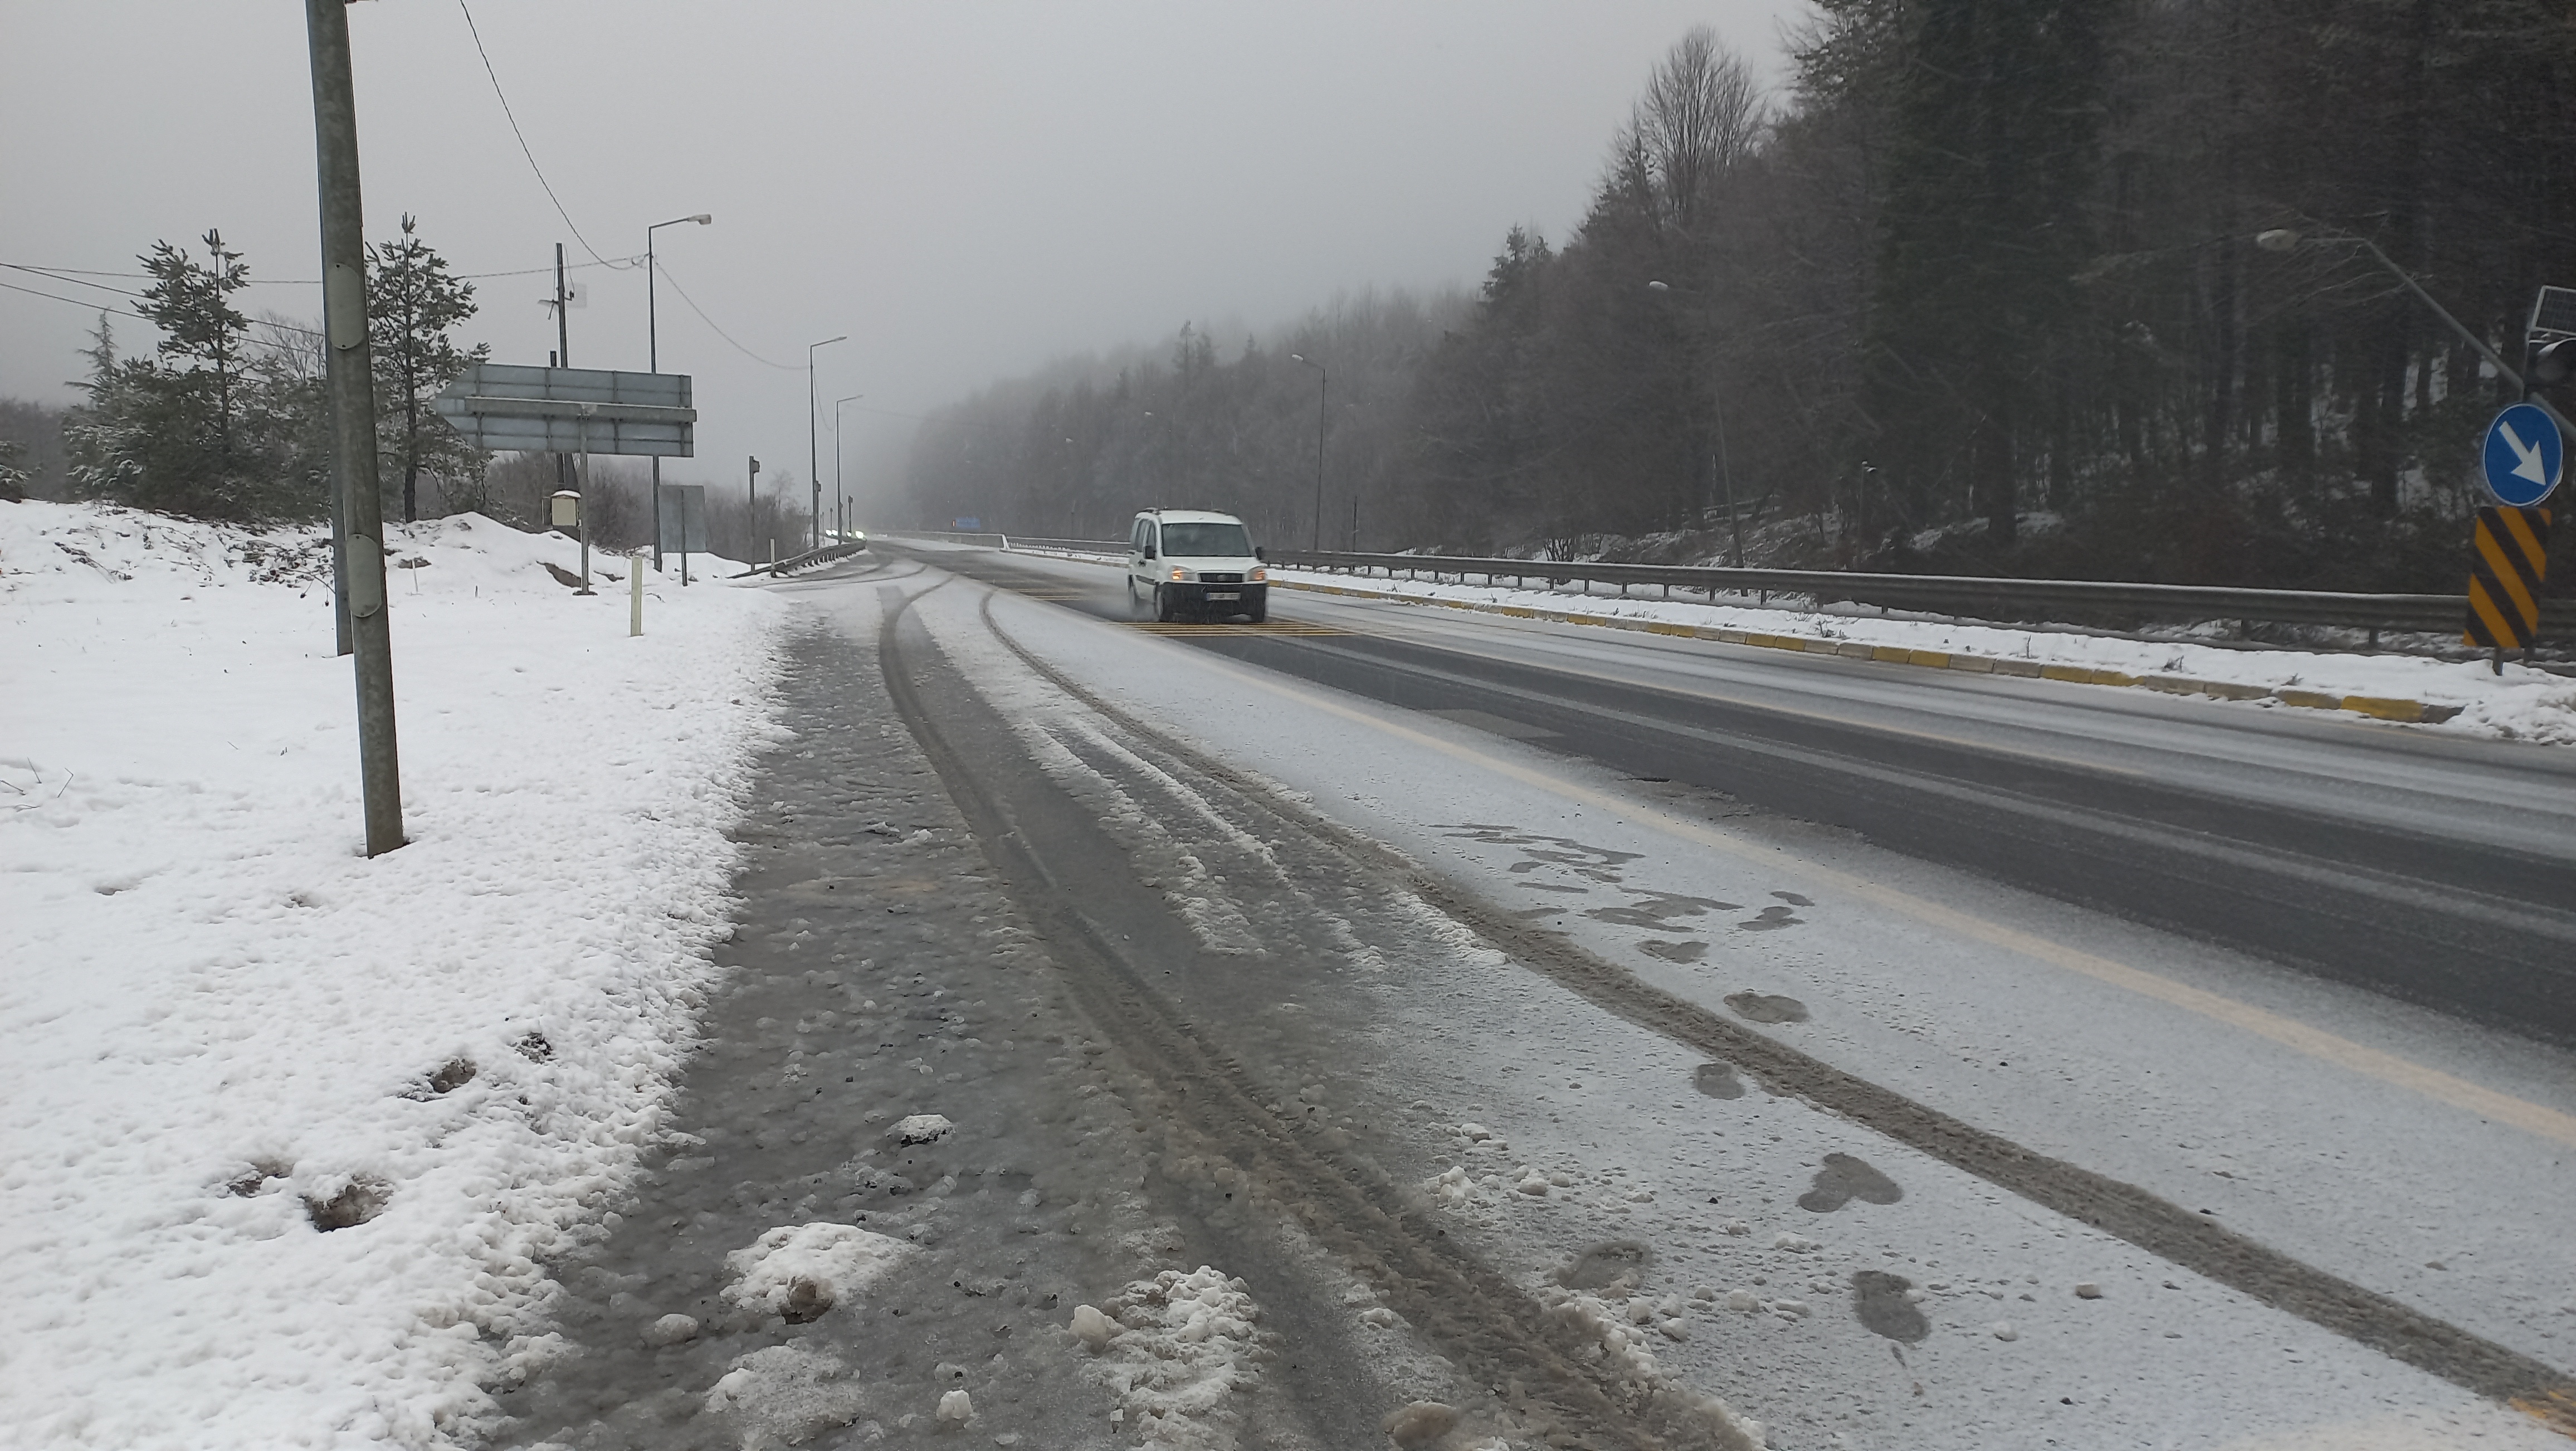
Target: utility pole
<point x="841" y="514"/>
<point x="563" y="355"/>
<point x="350" y="372"/>
<point x="653" y="362"/>
<point x="813" y="449"/>
<point x="1323" y="389"/>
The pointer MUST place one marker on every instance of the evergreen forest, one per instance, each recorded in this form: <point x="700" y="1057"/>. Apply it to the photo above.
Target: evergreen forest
<point x="1978" y="289"/>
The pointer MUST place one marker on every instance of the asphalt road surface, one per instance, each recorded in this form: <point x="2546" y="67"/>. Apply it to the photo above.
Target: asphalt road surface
<point x="2439" y="871"/>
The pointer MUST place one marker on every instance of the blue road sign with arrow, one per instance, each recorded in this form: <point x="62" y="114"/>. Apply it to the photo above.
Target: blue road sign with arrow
<point x="2524" y="456"/>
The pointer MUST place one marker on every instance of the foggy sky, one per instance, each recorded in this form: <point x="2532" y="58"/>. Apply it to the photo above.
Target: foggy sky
<point x="967" y="190"/>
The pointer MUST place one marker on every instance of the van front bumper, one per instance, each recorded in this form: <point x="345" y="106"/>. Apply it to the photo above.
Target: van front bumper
<point x="1219" y="598"/>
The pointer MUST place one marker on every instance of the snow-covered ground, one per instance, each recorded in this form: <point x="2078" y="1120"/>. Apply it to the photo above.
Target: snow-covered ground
<point x="1562" y="1132"/>
<point x="229" y="1034"/>
<point x="2519" y="704"/>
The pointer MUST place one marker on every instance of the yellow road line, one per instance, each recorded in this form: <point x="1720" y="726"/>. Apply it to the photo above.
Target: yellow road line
<point x="2538" y="1120"/>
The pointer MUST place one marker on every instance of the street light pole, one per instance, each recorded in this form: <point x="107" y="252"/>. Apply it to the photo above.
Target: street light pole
<point x="2287" y="239"/>
<point x="813" y="451"/>
<point x="1323" y="389"/>
<point x="653" y="359"/>
<point x="844" y="515"/>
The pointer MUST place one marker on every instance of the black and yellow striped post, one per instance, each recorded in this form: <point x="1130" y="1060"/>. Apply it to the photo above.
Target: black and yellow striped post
<point x="2512" y="560"/>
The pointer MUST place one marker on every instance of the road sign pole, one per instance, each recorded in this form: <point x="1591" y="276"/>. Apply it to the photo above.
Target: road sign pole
<point x="350" y="374"/>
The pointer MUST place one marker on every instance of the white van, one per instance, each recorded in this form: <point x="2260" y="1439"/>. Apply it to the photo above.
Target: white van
<point x="1191" y="564"/>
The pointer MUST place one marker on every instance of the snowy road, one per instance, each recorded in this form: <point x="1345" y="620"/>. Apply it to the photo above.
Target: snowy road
<point x="1577" y="945"/>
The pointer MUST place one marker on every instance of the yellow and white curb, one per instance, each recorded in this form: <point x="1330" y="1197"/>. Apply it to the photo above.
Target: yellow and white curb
<point x="2411" y="712"/>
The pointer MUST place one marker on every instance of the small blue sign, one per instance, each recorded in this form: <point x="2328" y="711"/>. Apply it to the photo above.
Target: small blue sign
<point x="2524" y="456"/>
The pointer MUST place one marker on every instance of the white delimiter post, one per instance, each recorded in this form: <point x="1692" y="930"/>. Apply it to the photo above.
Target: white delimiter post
<point x="350" y="374"/>
<point x="635" y="596"/>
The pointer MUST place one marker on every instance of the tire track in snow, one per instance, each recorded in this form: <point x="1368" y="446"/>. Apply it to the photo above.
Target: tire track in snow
<point x="2125" y="1211"/>
<point x="1501" y="1335"/>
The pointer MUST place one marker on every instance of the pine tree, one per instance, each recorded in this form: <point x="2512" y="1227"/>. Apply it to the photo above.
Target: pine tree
<point x="13" y="479"/>
<point x="1998" y="107"/>
<point x="413" y="303"/>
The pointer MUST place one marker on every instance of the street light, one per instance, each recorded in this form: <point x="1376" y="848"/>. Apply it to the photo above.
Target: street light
<point x="813" y="451"/>
<point x="1323" y="387"/>
<point x="2288" y="239"/>
<point x="844" y="530"/>
<point x="1725" y="470"/>
<point x="653" y="358"/>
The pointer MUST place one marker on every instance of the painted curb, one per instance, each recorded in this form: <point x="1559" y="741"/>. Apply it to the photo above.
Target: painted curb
<point x="2408" y="712"/>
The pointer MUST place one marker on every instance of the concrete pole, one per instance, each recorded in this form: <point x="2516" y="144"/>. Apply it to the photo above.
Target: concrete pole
<point x="350" y="370"/>
<point x="653" y="363"/>
<point x="635" y="596"/>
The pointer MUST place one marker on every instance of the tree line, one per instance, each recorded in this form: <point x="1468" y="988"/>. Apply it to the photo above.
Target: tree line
<point x="1979" y="289"/>
<point x="226" y="417"/>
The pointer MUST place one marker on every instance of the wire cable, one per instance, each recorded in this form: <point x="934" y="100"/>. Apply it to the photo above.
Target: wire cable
<point x="524" y="149"/>
<point x="69" y="281"/>
<point x="720" y="332"/>
<point x="66" y="274"/>
<point x="88" y="306"/>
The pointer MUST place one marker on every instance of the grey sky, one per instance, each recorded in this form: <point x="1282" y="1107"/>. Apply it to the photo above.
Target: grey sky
<point x="965" y="189"/>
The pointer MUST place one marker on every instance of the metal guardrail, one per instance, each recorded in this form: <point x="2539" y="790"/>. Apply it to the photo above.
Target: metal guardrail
<point x="2074" y="601"/>
<point x="808" y="559"/>
<point x="1012" y="541"/>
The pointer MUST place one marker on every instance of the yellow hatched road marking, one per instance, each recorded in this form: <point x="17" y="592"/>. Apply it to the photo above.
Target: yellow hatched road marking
<point x="1157" y="627"/>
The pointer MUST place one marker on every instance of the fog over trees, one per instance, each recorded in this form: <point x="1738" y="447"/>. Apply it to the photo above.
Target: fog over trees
<point x="1978" y="291"/>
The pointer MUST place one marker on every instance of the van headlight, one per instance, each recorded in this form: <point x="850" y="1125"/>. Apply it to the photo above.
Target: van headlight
<point x="1179" y="573"/>
<point x="1258" y="576"/>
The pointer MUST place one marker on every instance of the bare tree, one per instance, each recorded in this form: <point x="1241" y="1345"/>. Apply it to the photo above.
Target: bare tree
<point x="1701" y="117"/>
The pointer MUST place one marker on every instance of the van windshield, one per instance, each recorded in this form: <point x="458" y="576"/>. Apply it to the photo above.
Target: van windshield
<point x="1206" y="541"/>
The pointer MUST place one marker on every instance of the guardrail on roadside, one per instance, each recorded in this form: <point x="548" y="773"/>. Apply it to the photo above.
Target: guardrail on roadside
<point x="1013" y="542"/>
<point x="806" y="560"/>
<point x="2071" y="601"/>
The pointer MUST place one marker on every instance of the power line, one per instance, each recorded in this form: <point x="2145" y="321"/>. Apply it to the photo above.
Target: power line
<point x="52" y="276"/>
<point x="720" y="332"/>
<point x="66" y="274"/>
<point x="524" y="149"/>
<point x="124" y="292"/>
<point x="88" y="306"/>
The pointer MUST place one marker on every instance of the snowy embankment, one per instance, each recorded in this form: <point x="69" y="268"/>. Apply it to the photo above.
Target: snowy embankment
<point x="289" y="1129"/>
<point x="2519" y="704"/>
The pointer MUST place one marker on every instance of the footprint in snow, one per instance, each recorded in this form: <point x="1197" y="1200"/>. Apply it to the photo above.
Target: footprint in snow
<point x="1606" y="1264"/>
<point x="1879" y="1299"/>
<point x="1718" y="1080"/>
<point x="1684" y="952"/>
<point x="1844" y="1179"/>
<point x="1771" y="920"/>
<point x="1767" y="1008"/>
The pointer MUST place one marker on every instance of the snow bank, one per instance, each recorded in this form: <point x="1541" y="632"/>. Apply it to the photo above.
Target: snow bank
<point x="1176" y="1349"/>
<point x="289" y="1129"/>
<point x="2521" y="704"/>
<point x="801" y="1270"/>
